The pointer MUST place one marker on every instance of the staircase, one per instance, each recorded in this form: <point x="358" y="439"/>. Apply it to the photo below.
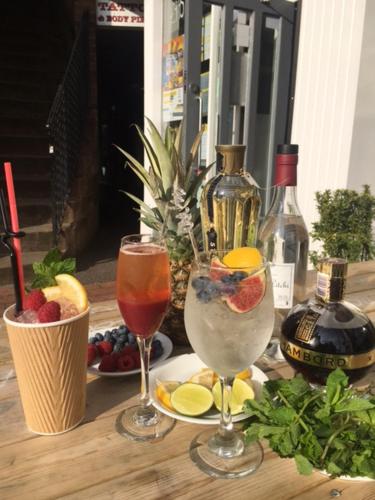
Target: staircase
<point x="32" y="62"/>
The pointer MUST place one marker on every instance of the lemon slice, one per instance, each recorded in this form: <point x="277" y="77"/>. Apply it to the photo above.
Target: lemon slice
<point x="164" y="390"/>
<point x="206" y="377"/>
<point x="243" y="258"/>
<point x="73" y="290"/>
<point x="240" y="392"/>
<point x="52" y="292"/>
<point x="191" y="399"/>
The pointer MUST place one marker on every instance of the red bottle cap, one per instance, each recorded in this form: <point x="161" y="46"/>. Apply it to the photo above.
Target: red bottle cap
<point x="286" y="165"/>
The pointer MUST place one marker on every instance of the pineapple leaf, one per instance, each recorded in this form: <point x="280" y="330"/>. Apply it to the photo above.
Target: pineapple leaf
<point x="140" y="203"/>
<point x="178" y="140"/>
<point x="194" y="150"/>
<point x="151" y="223"/>
<point x="167" y="172"/>
<point x="150" y="153"/>
<point x="138" y="169"/>
<point x="195" y="183"/>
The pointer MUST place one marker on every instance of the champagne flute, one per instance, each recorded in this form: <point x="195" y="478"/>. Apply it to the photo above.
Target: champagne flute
<point x="229" y="320"/>
<point x="143" y="294"/>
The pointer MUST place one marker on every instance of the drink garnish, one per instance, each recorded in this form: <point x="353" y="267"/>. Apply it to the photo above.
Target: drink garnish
<point x="241" y="391"/>
<point x="52" y="265"/>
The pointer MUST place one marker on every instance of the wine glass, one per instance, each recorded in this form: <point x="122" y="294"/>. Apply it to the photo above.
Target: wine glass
<point x="229" y="321"/>
<point x="143" y="294"/>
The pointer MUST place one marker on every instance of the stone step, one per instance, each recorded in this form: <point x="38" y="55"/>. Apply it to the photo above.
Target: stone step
<point x="11" y="73"/>
<point x="28" y="258"/>
<point x="33" y="211"/>
<point x="29" y="109"/>
<point x="24" y="165"/>
<point x="20" y="126"/>
<point x="27" y="90"/>
<point x="35" y="145"/>
<point x="38" y="239"/>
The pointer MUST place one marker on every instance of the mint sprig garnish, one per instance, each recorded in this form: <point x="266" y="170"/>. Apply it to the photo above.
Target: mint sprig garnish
<point x="52" y="265"/>
<point x="330" y="428"/>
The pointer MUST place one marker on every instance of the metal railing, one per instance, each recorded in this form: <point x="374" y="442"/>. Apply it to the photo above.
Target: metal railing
<point x="65" y="125"/>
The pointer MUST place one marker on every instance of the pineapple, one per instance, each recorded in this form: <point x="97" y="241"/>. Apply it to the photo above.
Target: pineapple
<point x="167" y="175"/>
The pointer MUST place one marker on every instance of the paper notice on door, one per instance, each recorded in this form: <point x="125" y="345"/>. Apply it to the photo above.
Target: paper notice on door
<point x="283" y="285"/>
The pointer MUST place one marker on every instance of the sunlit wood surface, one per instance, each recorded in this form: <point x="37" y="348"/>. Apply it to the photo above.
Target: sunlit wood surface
<point x="93" y="461"/>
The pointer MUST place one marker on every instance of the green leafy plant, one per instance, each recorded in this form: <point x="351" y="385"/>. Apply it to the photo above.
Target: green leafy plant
<point x="345" y="225"/>
<point x="330" y="428"/>
<point x="167" y="173"/>
<point x="52" y="265"/>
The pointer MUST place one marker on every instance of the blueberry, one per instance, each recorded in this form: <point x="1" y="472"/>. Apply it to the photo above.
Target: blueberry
<point x="200" y="283"/>
<point x="204" y="296"/>
<point x="92" y="340"/>
<point x="123" y="337"/>
<point x="107" y="336"/>
<point x="229" y="289"/>
<point x="131" y="339"/>
<point x="156" y="343"/>
<point x="212" y="289"/>
<point x="227" y="278"/>
<point x="122" y="329"/>
<point x="99" y="337"/>
<point x="118" y="347"/>
<point x="239" y="276"/>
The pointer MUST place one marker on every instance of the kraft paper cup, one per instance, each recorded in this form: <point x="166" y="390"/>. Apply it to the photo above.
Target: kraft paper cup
<point x="50" y="361"/>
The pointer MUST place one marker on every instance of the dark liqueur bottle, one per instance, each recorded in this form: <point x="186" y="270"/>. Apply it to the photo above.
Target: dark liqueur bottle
<point x="327" y="332"/>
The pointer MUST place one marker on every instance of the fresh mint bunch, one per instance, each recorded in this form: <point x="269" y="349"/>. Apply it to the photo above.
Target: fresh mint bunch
<point x="52" y="265"/>
<point x="330" y="428"/>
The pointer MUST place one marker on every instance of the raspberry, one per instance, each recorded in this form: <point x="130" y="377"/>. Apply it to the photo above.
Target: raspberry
<point x="49" y="312"/>
<point x="137" y="359"/>
<point x="104" y="347"/>
<point x="108" y="364"/>
<point x="128" y="349"/>
<point x="34" y="300"/>
<point x="125" y="363"/>
<point x="91" y="354"/>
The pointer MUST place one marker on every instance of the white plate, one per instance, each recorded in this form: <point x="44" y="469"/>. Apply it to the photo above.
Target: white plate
<point x="181" y="368"/>
<point x="167" y="350"/>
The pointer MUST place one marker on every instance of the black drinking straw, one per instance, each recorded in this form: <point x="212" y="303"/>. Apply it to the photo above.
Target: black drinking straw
<point x="5" y="240"/>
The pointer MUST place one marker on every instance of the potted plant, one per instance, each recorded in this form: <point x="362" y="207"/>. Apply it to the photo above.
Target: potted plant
<point x="168" y="173"/>
<point x="345" y="225"/>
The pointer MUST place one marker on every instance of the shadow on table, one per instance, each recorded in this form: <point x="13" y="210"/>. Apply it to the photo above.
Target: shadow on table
<point x="104" y="394"/>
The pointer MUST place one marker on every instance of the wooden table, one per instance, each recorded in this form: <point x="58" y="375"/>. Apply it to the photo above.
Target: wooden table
<point x="93" y="461"/>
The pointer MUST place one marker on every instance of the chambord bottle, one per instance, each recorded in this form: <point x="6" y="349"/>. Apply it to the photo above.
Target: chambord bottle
<point x="328" y="332"/>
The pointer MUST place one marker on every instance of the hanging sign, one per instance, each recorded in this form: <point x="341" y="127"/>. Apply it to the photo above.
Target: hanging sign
<point x="120" y="13"/>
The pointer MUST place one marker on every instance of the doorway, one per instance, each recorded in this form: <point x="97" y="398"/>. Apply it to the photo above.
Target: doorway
<point x="120" y="106"/>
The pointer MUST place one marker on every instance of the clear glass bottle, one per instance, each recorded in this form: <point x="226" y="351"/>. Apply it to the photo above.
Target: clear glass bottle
<point x="230" y="204"/>
<point x="328" y="332"/>
<point x="284" y="238"/>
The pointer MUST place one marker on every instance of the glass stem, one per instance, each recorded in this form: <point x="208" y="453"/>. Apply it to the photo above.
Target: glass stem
<point x="144" y="352"/>
<point x="226" y="424"/>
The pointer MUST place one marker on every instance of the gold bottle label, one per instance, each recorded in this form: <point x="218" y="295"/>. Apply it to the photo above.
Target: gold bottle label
<point x="324" y="360"/>
<point x="306" y="326"/>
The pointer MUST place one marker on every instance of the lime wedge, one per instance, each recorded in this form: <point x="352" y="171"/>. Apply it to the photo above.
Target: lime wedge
<point x="241" y="391"/>
<point x="191" y="399"/>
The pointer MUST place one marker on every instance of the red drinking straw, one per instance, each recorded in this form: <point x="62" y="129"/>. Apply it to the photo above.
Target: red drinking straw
<point x="15" y="226"/>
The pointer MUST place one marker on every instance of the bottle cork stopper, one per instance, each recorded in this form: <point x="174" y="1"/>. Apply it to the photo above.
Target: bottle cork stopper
<point x="233" y="157"/>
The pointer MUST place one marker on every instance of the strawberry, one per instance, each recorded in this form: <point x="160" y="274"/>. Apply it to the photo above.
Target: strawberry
<point x="137" y="359"/>
<point x="125" y="363"/>
<point x="108" y="364"/>
<point x="34" y="300"/>
<point x="49" y="312"/>
<point x="91" y="354"/>
<point x="104" y="347"/>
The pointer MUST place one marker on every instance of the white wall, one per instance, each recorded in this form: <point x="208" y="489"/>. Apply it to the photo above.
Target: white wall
<point x="153" y="12"/>
<point x="325" y="98"/>
<point x="362" y="157"/>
